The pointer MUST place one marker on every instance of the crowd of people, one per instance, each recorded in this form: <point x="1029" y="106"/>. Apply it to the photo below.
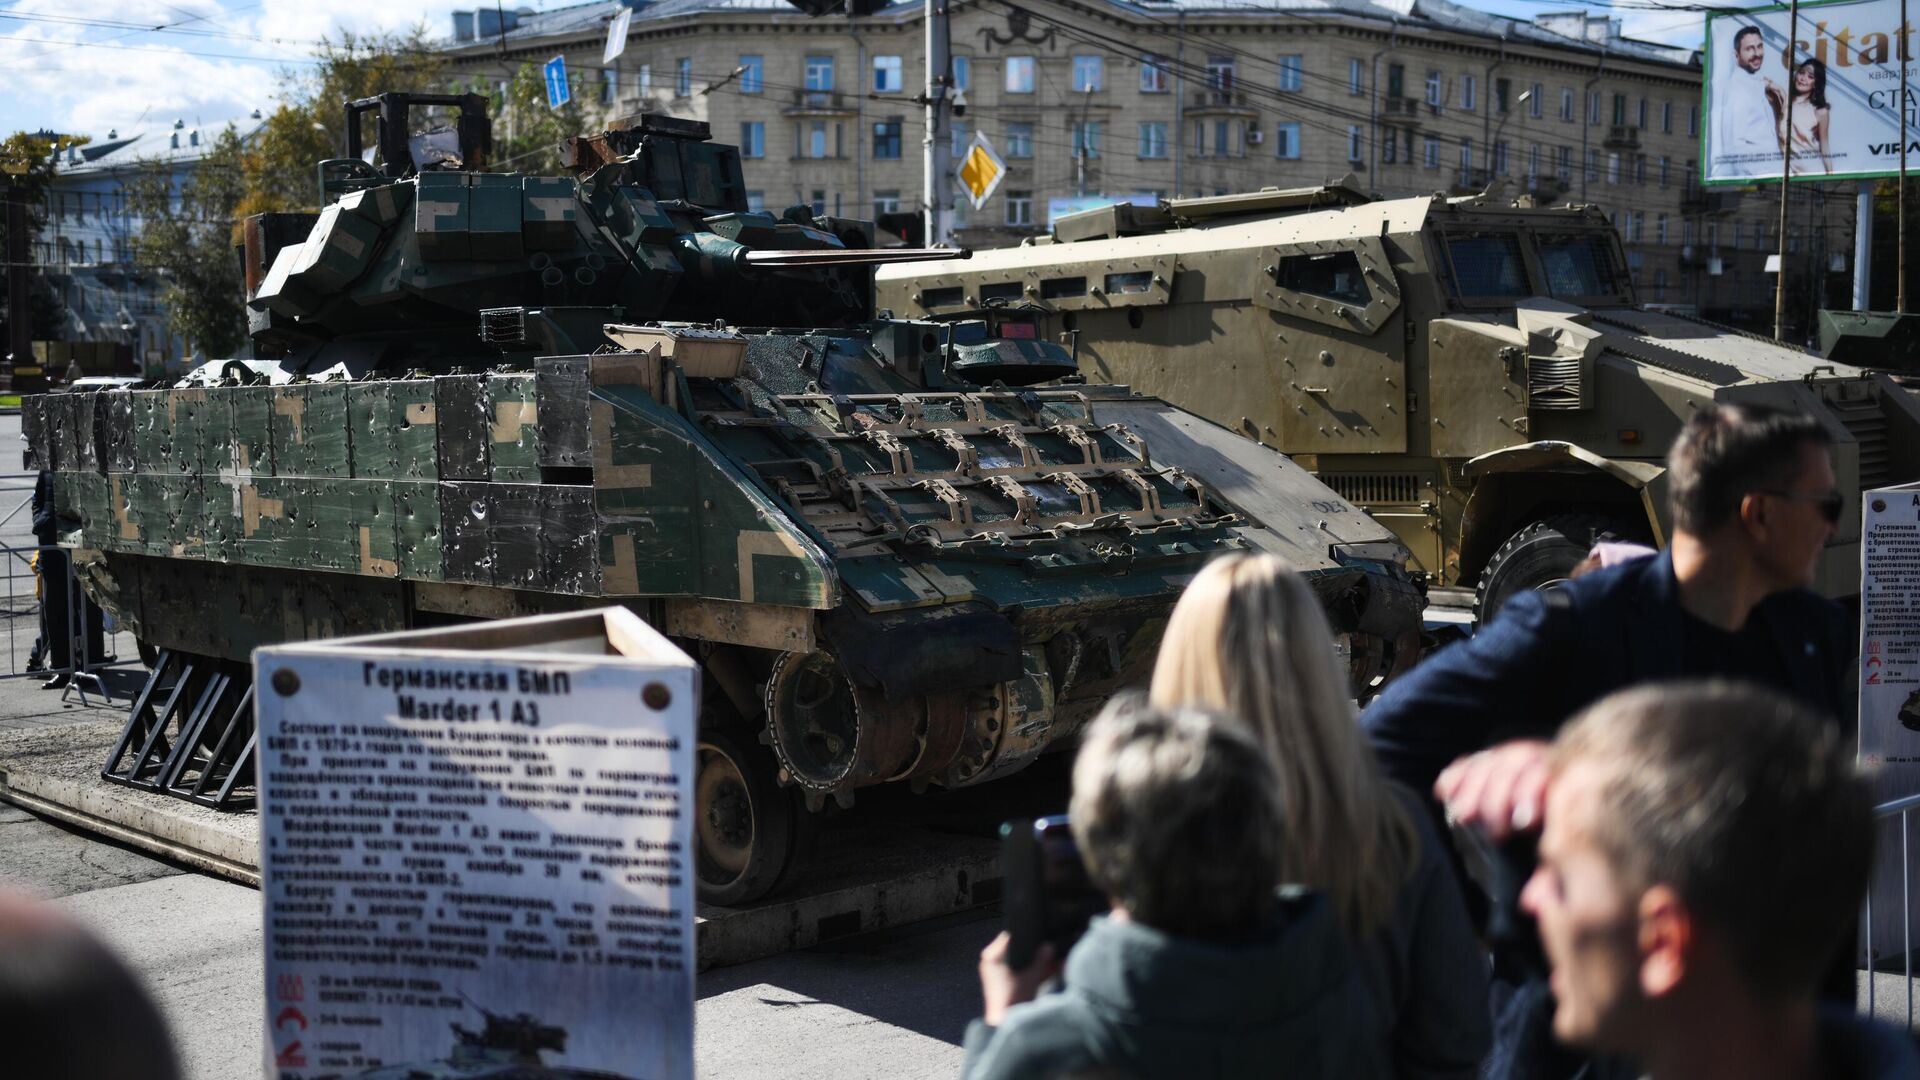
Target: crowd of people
<point x="1618" y="832"/>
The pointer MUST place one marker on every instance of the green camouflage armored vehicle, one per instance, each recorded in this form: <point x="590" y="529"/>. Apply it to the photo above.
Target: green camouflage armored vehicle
<point x="902" y="551"/>
<point x="1475" y="372"/>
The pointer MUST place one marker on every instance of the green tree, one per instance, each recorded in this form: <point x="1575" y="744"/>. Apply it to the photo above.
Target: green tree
<point x="535" y="131"/>
<point x="28" y="164"/>
<point x="188" y="237"/>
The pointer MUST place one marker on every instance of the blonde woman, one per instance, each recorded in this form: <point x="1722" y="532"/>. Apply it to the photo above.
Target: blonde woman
<point x="1248" y="639"/>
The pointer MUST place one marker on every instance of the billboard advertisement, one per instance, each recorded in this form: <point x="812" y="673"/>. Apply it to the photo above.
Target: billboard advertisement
<point x="1834" y="97"/>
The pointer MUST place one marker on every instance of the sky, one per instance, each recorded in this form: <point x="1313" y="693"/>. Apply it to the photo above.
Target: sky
<point x="92" y="66"/>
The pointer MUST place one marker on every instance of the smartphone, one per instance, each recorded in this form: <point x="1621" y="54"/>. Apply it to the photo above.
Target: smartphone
<point x="1047" y="895"/>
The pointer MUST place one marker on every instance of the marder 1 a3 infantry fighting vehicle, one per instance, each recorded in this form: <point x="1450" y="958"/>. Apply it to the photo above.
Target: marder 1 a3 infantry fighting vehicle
<point x="1475" y="372"/>
<point x="902" y="551"/>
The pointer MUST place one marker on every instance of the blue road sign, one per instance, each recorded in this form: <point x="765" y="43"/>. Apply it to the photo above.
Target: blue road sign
<point x="558" y="92"/>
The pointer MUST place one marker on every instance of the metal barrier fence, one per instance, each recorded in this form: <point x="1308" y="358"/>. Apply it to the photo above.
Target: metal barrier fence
<point x="21" y="598"/>
<point x="1870" y="953"/>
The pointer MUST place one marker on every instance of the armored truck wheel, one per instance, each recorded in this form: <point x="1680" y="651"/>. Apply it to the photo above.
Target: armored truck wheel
<point x="1542" y="555"/>
<point x="744" y="829"/>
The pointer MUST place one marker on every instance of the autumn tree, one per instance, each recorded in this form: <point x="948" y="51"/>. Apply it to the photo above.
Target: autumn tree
<point x="188" y="237"/>
<point x="28" y="163"/>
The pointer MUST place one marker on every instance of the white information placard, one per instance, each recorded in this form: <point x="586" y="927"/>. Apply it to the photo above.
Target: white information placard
<point x="477" y="851"/>
<point x="1890" y="683"/>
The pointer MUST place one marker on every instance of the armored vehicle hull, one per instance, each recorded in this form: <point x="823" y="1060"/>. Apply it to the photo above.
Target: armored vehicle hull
<point x="903" y="552"/>
<point x="1474" y="373"/>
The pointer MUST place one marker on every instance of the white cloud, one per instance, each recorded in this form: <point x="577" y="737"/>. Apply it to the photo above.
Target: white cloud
<point x="69" y="76"/>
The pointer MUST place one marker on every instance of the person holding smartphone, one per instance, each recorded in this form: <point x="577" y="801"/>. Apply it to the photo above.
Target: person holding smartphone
<point x="1202" y="967"/>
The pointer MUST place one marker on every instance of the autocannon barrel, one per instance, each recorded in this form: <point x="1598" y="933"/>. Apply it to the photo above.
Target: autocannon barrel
<point x="851" y="257"/>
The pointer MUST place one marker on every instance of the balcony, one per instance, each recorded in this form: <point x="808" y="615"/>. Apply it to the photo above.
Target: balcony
<point x="1546" y="188"/>
<point x="1222" y="101"/>
<point x="819" y="103"/>
<point x="1623" y="137"/>
<point x="1403" y="109"/>
<point x="1700" y="200"/>
<point x="1471" y="181"/>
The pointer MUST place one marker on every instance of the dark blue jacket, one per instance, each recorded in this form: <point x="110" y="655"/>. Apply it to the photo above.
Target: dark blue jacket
<point x="1547" y="655"/>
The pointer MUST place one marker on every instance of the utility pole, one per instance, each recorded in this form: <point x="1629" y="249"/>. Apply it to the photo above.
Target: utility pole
<point x="1786" y="176"/>
<point x="935" y="151"/>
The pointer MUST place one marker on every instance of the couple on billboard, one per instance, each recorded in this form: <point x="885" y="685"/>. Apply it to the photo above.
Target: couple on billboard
<point x="1758" y="117"/>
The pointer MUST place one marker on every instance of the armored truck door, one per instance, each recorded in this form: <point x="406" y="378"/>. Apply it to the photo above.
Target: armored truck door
<point x="1336" y="351"/>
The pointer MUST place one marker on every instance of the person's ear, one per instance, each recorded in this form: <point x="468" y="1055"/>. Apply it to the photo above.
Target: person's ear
<point x="1753" y="514"/>
<point x="1666" y="940"/>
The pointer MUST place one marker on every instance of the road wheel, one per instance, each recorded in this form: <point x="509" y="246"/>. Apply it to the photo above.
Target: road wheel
<point x="1541" y="556"/>
<point x="743" y="829"/>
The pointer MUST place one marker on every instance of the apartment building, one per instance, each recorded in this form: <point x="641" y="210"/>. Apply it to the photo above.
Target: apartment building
<point x="1093" y="100"/>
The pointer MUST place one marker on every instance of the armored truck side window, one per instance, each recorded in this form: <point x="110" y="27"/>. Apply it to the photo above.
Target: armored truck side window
<point x="1001" y="290"/>
<point x="1335" y="275"/>
<point x="1580" y="266"/>
<point x="1486" y="266"/>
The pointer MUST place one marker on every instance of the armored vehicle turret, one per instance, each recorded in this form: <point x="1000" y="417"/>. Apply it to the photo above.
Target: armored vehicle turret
<point x="903" y="551"/>
<point x="1476" y="372"/>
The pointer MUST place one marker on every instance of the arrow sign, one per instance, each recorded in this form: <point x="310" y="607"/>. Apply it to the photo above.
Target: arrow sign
<point x="981" y="170"/>
<point x="617" y="35"/>
<point x="558" y="93"/>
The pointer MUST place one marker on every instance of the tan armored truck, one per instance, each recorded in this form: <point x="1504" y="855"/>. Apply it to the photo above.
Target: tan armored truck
<point x="1475" y="372"/>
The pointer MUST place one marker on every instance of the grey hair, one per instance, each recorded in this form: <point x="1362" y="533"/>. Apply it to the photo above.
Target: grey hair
<point x="1177" y="815"/>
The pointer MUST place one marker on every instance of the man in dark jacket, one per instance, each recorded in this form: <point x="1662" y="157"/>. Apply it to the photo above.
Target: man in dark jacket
<point x="1706" y="845"/>
<point x="60" y="595"/>
<point x="1201" y="968"/>
<point x="1754" y="502"/>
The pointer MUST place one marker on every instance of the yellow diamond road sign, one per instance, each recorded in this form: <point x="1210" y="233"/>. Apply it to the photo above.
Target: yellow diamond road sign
<point x="981" y="170"/>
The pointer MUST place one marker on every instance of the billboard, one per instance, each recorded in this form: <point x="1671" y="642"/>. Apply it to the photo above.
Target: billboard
<point x="1835" y="97"/>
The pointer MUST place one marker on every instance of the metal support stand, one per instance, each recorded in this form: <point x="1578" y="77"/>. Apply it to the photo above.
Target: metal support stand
<point x="190" y="733"/>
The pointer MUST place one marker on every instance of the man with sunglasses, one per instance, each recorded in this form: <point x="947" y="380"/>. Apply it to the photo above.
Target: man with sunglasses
<point x="1754" y="500"/>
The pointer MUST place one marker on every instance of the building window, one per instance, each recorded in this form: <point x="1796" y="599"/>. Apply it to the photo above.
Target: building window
<point x="1501" y="89"/>
<point x="1500" y="158"/>
<point x="1564" y="165"/>
<point x="1660" y="230"/>
<point x="1356" y="143"/>
<point x="1389" y="148"/>
<point x="961" y="137"/>
<point x="1566" y="104"/>
<point x="1686" y="233"/>
<point x="1593" y="165"/>
<point x="818" y="203"/>
<point x="885" y="202"/>
<point x="1356" y="78"/>
<point x="1153" y="76"/>
<point x="1436" y="90"/>
<point x="1619" y="110"/>
<point x="1290" y="73"/>
<point x="753" y="75"/>
<point x="1019" y="139"/>
<point x="753" y="139"/>
<point x="1693" y="120"/>
<point x="1593" y="107"/>
<point x="1466" y="157"/>
<point x="1533" y="101"/>
<point x="1466" y="92"/>
<point x="1660" y="284"/>
<point x="1643" y="114"/>
<point x="1019" y="208"/>
<point x="1089" y="74"/>
<point x="683" y="76"/>
<point x="819" y="74"/>
<point x="1153" y="139"/>
<point x="1286" y="141"/>
<point x="1533" y="162"/>
<point x="1220" y="74"/>
<point x="888" y="77"/>
<point x="756" y="201"/>
<point x="817" y="140"/>
<point x="1199" y="140"/>
<point x="962" y="73"/>
<point x="609" y="86"/>
<point x="1665" y="170"/>
<point x="1431" y="153"/>
<point x="1396" y="80"/>
<point x="1613" y="168"/>
<point x="1086" y="138"/>
<point x="1019" y="74"/>
<point x="886" y="139"/>
<point x="1640" y="169"/>
<point x="646" y="79"/>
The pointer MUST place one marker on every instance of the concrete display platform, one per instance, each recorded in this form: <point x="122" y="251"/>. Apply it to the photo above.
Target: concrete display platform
<point x="899" y="861"/>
